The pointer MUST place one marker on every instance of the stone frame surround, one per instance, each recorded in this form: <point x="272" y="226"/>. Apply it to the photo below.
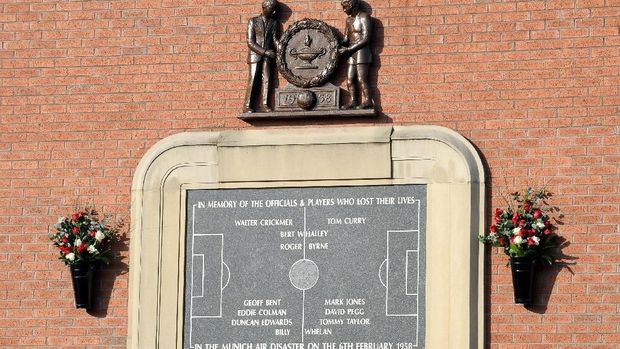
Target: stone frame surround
<point x="301" y="157"/>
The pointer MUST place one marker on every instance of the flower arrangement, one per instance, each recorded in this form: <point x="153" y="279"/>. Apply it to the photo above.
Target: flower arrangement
<point x="524" y="228"/>
<point x="83" y="238"/>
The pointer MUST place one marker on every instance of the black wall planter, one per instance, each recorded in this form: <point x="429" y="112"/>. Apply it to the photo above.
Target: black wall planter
<point x="82" y="275"/>
<point x="522" y="278"/>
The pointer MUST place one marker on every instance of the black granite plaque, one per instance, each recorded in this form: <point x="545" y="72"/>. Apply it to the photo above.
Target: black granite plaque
<point x="305" y="268"/>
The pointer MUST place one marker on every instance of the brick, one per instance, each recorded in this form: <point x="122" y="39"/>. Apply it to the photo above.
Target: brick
<point x="533" y="84"/>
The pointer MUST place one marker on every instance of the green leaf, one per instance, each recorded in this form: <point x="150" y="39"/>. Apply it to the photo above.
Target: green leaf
<point x="515" y="251"/>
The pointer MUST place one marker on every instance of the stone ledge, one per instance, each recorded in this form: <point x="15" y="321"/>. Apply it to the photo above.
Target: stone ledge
<point x="282" y="115"/>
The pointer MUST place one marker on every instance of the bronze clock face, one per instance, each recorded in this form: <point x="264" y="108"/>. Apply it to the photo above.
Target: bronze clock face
<point x="308" y="54"/>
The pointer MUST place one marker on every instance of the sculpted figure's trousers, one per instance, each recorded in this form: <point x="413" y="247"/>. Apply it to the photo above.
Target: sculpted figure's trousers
<point x="357" y="76"/>
<point x="259" y="72"/>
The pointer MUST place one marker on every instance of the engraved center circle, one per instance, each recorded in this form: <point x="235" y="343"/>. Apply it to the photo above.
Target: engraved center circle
<point x="304" y="274"/>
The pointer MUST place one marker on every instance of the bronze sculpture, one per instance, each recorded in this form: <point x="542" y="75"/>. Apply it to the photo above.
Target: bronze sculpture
<point x="263" y="35"/>
<point x="357" y="36"/>
<point x="307" y="55"/>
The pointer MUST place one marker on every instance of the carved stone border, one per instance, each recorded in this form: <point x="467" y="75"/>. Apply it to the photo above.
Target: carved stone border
<point x="327" y="72"/>
<point x="438" y="157"/>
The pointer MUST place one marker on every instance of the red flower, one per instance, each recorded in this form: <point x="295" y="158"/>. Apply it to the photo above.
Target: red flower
<point x="547" y="232"/>
<point x="76" y="216"/>
<point x="493" y="229"/>
<point x="530" y="242"/>
<point x="522" y="223"/>
<point x="65" y="249"/>
<point x="526" y="207"/>
<point x="501" y="241"/>
<point x="64" y="239"/>
<point x="82" y="248"/>
<point x="523" y="233"/>
<point x="537" y="214"/>
<point x="531" y="232"/>
<point x="498" y="212"/>
<point x="515" y="218"/>
<point x="75" y="230"/>
<point x="93" y="233"/>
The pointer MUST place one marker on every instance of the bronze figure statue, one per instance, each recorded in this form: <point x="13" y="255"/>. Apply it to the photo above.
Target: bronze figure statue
<point x="357" y="37"/>
<point x="263" y="34"/>
<point x="307" y="55"/>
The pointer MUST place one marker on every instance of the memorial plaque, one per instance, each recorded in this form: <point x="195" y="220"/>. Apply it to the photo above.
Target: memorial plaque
<point x="305" y="268"/>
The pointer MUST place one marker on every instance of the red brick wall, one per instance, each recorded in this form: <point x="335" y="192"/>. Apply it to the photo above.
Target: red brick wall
<point x="86" y="87"/>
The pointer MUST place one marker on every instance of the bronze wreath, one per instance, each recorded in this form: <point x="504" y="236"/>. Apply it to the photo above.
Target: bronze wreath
<point x="332" y="51"/>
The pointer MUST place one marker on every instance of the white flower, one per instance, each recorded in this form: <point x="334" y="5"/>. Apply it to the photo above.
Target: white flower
<point x="78" y="242"/>
<point x="99" y="235"/>
<point x="92" y="250"/>
<point x="517" y="240"/>
<point x="70" y="256"/>
<point x="60" y="220"/>
<point x="539" y="224"/>
<point x="536" y="240"/>
<point x="516" y="231"/>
